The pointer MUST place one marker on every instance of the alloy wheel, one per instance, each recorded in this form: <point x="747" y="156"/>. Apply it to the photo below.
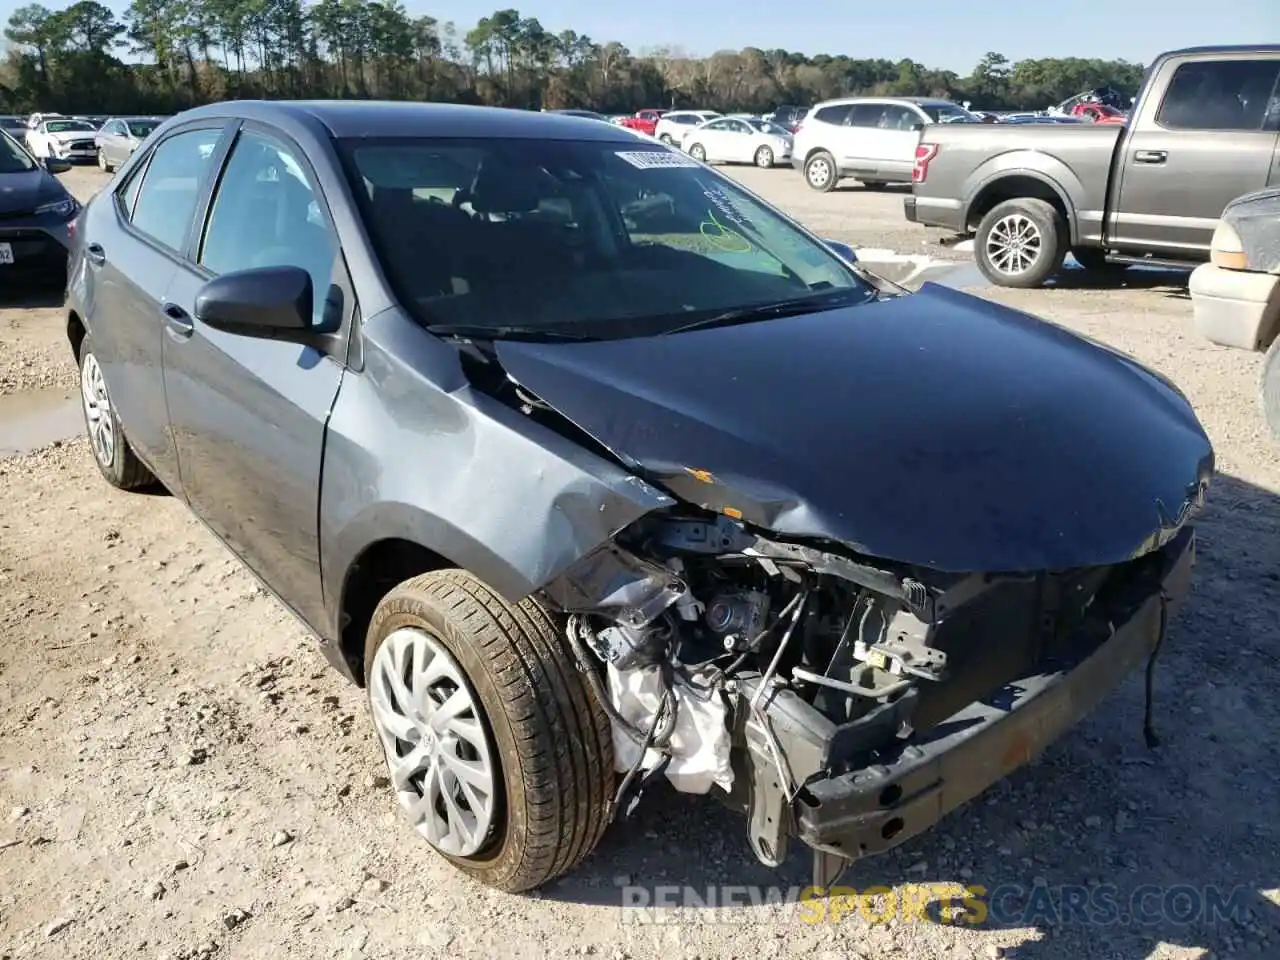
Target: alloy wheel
<point x="434" y="738"/>
<point x="818" y="172"/>
<point x="97" y="411"/>
<point x="698" y="153"/>
<point x="1014" y="244"/>
<point x="764" y="157"/>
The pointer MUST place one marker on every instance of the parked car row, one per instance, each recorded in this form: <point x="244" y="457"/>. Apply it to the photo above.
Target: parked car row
<point x="109" y="140"/>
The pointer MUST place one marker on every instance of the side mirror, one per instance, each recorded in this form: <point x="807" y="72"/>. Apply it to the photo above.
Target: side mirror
<point x="842" y="250"/>
<point x="56" y="164"/>
<point x="258" y="302"/>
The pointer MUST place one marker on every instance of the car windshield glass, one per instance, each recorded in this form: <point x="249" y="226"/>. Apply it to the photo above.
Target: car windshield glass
<point x="13" y="159"/>
<point x="69" y="126"/>
<point x="948" y="113"/>
<point x="142" y="128"/>
<point x="593" y="239"/>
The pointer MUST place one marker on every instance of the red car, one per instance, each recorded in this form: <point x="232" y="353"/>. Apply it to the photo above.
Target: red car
<point x="646" y="121"/>
<point x="1098" y="113"/>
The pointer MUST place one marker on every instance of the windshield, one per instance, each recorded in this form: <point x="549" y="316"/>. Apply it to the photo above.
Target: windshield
<point x="579" y="238"/>
<point x="948" y="113"/>
<point x="68" y="126"/>
<point x="769" y="127"/>
<point x="142" y="128"/>
<point x="13" y="159"/>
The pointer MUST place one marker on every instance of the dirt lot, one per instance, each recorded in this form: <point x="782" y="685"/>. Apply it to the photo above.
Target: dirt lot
<point x="181" y="776"/>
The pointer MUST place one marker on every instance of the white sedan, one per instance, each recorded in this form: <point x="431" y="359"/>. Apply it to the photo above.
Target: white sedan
<point x="63" y="138"/>
<point x="739" y="140"/>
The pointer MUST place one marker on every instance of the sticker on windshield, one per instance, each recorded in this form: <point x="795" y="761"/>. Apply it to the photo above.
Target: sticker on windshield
<point x="655" y="159"/>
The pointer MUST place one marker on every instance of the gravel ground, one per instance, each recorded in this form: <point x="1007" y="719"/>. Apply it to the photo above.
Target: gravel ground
<point x="181" y="776"/>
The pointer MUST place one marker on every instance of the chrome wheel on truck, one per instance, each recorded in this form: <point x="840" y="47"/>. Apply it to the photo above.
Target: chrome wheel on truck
<point x="1020" y="243"/>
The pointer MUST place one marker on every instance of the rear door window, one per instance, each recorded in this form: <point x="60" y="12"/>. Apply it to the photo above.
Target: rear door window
<point x="171" y="186"/>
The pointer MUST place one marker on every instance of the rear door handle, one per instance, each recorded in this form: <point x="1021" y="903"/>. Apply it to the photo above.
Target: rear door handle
<point x="177" y="321"/>
<point x="1150" y="156"/>
<point x="95" y="254"/>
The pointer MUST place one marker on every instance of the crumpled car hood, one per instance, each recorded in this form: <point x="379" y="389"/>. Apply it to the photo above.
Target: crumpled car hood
<point x="936" y="429"/>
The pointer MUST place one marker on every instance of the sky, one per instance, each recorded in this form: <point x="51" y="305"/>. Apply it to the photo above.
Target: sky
<point x="937" y="33"/>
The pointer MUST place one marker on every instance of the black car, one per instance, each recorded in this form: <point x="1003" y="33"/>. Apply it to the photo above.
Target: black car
<point x="593" y="467"/>
<point x="35" y="213"/>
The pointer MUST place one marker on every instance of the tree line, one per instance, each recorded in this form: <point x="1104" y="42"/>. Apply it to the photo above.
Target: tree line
<point x="163" y="56"/>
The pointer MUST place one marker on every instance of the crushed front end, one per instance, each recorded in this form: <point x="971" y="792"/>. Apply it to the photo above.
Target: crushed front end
<point x="845" y="702"/>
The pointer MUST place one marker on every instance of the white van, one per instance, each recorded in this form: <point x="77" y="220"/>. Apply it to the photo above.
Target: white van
<point x="872" y="139"/>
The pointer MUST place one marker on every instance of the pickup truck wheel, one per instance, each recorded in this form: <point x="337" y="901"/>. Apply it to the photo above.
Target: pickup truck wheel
<point x="497" y="748"/>
<point x="820" y="172"/>
<point x="1271" y="388"/>
<point x="1020" y="243"/>
<point x="111" y="451"/>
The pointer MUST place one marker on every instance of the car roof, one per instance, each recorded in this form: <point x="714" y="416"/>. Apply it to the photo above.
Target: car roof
<point x="918" y="101"/>
<point x="387" y="118"/>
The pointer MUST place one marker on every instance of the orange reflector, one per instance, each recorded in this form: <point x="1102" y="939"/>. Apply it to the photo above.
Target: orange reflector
<point x="733" y="512"/>
<point x="1228" y="259"/>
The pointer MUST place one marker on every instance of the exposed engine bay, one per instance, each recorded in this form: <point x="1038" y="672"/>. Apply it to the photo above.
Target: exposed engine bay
<point x="747" y="666"/>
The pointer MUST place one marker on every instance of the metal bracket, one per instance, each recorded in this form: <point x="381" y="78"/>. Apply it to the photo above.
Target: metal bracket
<point x="768" y="811"/>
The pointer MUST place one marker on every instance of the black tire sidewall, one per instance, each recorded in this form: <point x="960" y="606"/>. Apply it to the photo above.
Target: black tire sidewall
<point x="1053" y="232"/>
<point x="405" y="607"/>
<point x="698" y="153"/>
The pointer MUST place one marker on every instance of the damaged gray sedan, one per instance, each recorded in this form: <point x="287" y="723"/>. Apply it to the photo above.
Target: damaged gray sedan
<point x="596" y="469"/>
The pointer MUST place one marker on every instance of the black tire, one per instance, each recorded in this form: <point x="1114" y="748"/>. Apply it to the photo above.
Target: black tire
<point x="1271" y="388"/>
<point x="1094" y="259"/>
<point x="553" y="739"/>
<point x="822" y="167"/>
<point x="698" y="152"/>
<point x="668" y="139"/>
<point x="1050" y="228"/>
<point x="764" y="158"/>
<point x="123" y="470"/>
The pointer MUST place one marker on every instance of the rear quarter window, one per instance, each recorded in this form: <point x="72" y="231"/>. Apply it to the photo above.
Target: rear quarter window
<point x="834" y="114"/>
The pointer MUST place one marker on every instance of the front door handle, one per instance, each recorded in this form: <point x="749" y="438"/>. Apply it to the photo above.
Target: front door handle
<point x="177" y="321"/>
<point x="95" y="254"/>
<point x="1150" y="156"/>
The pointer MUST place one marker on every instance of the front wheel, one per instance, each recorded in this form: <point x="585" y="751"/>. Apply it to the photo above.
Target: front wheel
<point x="669" y="140"/>
<point x="764" y="158"/>
<point x="698" y="152"/>
<point x="1020" y="243"/>
<point x="497" y="748"/>
<point x="102" y="162"/>
<point x="1271" y="388"/>
<point x="820" y="172"/>
<point x="111" y="451"/>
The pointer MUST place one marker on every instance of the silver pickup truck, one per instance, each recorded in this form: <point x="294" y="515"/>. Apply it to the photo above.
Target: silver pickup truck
<point x="1204" y="129"/>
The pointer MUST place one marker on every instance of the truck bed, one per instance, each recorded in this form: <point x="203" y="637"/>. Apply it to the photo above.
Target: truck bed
<point x="1074" y="159"/>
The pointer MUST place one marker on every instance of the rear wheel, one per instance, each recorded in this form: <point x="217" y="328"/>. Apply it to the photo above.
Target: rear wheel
<point x="698" y="153"/>
<point x="820" y="172"/>
<point x="1020" y="243"/>
<point x="1271" y="388"/>
<point x="111" y="451"/>
<point x="764" y="158"/>
<point x="497" y="748"/>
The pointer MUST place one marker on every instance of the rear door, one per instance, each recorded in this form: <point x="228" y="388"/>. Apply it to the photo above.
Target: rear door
<point x="249" y="412"/>
<point x="1208" y="140"/>
<point x="130" y="258"/>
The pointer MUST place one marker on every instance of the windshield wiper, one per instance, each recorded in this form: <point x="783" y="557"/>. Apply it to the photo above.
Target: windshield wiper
<point x="771" y="311"/>
<point x="531" y="334"/>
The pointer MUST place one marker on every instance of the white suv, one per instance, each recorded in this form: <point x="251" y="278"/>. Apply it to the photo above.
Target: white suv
<point x="672" y="126"/>
<point x="872" y="139"/>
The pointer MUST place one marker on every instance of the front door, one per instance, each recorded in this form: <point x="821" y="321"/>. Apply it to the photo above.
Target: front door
<point x="1210" y="139"/>
<point x="249" y="413"/>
